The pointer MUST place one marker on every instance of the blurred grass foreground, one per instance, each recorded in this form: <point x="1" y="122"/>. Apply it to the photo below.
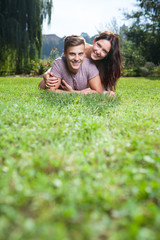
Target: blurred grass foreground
<point x="76" y="167"/>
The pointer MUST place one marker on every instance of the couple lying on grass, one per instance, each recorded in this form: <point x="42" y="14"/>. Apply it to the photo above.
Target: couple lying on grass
<point x="86" y="68"/>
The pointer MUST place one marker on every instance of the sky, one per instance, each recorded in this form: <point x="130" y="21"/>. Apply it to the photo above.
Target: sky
<point x="89" y="16"/>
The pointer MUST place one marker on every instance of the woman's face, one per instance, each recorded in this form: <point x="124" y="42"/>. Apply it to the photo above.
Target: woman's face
<point x="100" y="49"/>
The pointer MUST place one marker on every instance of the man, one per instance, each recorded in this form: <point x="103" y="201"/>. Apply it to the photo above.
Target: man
<point x="73" y="72"/>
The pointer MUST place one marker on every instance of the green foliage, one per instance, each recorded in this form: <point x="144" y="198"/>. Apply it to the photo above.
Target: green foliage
<point x="52" y="41"/>
<point x="143" y="71"/>
<point x="156" y="71"/>
<point x="132" y="56"/>
<point x="147" y="70"/>
<point x="134" y="60"/>
<point x="145" y="30"/>
<point x="79" y="167"/>
<point x="20" y="31"/>
<point x="38" y="67"/>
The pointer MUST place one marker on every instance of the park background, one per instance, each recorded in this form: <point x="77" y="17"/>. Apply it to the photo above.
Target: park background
<point x="77" y="167"/>
<point x="22" y="25"/>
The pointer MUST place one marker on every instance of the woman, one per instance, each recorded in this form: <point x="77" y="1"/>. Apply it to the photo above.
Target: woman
<point x="105" y="52"/>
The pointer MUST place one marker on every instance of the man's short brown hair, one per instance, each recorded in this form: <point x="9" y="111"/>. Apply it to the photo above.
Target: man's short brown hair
<point x="73" y="40"/>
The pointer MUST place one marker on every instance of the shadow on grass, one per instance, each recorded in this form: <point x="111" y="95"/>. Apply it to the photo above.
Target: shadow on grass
<point x="92" y="103"/>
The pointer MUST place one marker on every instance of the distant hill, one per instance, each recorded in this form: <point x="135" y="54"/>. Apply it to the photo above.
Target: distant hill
<point x="51" y="37"/>
<point x="52" y="41"/>
<point x="49" y="42"/>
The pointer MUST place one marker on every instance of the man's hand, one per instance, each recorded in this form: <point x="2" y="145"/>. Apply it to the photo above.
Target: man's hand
<point x="65" y="86"/>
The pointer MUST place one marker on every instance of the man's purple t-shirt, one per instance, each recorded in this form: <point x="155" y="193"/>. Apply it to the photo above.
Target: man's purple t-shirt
<point x="78" y="81"/>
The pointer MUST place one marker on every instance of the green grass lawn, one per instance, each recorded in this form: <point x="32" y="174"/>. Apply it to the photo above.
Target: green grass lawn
<point x="76" y="167"/>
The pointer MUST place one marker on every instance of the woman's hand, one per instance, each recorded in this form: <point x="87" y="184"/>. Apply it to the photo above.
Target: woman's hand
<point x="50" y="80"/>
<point x="111" y="93"/>
<point x="65" y="86"/>
<point x="88" y="91"/>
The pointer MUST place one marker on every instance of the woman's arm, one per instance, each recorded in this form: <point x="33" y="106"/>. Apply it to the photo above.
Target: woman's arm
<point x="49" y="81"/>
<point x="95" y="84"/>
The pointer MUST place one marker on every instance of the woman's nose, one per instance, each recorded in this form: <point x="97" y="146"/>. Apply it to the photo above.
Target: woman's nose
<point x="98" y="51"/>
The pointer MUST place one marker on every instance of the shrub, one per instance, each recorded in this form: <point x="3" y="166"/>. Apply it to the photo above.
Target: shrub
<point x="131" y="72"/>
<point x="143" y="71"/>
<point x="150" y="65"/>
<point x="156" y="71"/>
<point x="39" y="67"/>
<point x="148" y="69"/>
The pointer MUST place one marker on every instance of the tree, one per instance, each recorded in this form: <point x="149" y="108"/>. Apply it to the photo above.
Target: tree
<point x="112" y="25"/>
<point x="145" y="30"/>
<point x="21" y="31"/>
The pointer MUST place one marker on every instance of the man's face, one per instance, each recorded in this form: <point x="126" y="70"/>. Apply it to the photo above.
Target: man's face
<point x="74" y="56"/>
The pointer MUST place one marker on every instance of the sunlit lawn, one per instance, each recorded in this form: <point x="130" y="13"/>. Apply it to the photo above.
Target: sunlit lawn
<point x="76" y="167"/>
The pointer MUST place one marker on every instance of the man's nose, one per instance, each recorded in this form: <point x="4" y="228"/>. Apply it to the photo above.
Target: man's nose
<point x="76" y="57"/>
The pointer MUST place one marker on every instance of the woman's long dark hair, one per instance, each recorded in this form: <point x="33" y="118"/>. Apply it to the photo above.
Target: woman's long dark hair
<point x="110" y="66"/>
